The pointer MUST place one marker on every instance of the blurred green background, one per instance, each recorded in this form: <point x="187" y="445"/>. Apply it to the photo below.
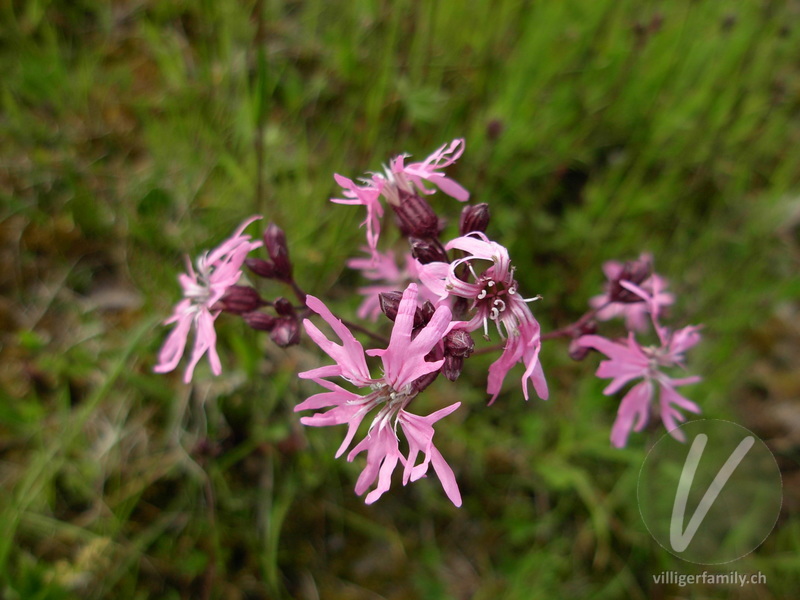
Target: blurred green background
<point x="135" y="131"/>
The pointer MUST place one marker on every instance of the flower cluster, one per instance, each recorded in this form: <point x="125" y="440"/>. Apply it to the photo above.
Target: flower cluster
<point x="446" y="288"/>
<point x="629" y="360"/>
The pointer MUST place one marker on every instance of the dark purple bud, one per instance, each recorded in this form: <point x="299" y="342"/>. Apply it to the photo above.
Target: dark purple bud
<point x="494" y="128"/>
<point x="427" y="251"/>
<point x="452" y="367"/>
<point x="436" y="353"/>
<point x="576" y="351"/>
<point x="389" y="303"/>
<point x="240" y="299"/>
<point x="260" y="321"/>
<point x="458" y="343"/>
<point x="416" y="216"/>
<point x="474" y="218"/>
<point x="275" y="242"/>
<point x="283" y="307"/>
<point x="420" y="384"/>
<point x="286" y="332"/>
<point x="426" y="312"/>
<point x="261" y="267"/>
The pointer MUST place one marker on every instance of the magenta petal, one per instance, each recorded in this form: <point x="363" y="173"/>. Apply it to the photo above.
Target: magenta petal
<point x="205" y="338"/>
<point x="446" y="476"/>
<point x="172" y="350"/>
<point x="450" y="187"/>
<point x="635" y="406"/>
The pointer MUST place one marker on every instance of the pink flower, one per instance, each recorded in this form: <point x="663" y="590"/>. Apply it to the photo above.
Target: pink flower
<point x="636" y="314"/>
<point x="217" y="271"/>
<point x="399" y="182"/>
<point x="410" y="178"/>
<point x="495" y="298"/>
<point x="405" y="371"/>
<point x="630" y="361"/>
<point x="389" y="277"/>
<point x="365" y="195"/>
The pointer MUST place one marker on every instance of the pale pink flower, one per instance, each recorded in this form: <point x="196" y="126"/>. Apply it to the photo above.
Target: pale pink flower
<point x="388" y="277"/>
<point x="636" y="314"/>
<point x="495" y="298"/>
<point x="366" y="195"/>
<point x="216" y="271"/>
<point x="629" y="361"/>
<point x="399" y="181"/>
<point x="404" y="365"/>
<point x="410" y="178"/>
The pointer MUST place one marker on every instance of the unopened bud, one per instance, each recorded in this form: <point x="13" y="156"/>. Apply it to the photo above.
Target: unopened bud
<point x="474" y="218"/>
<point x="260" y="321"/>
<point x="452" y="367"/>
<point x="426" y="312"/>
<point x="261" y="267"/>
<point x="575" y="350"/>
<point x="427" y="251"/>
<point x="390" y="303"/>
<point x="240" y="299"/>
<point x="420" y="384"/>
<point x="458" y="343"/>
<point x="415" y="215"/>
<point x="275" y="242"/>
<point x="285" y="333"/>
<point x="494" y="128"/>
<point x="283" y="307"/>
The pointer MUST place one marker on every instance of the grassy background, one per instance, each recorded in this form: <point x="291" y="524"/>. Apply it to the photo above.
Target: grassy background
<point x="135" y="131"/>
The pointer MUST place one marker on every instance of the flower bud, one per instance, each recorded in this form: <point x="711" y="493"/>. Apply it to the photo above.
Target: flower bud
<point x="458" y="343"/>
<point x="426" y="313"/>
<point x="261" y="267"/>
<point x="390" y="302"/>
<point x="283" y="307"/>
<point x="415" y="215"/>
<point x="275" y="242"/>
<point x="286" y="332"/>
<point x="260" y="321"/>
<point x="420" y="384"/>
<point x="474" y="218"/>
<point x="575" y="350"/>
<point x="427" y="251"/>
<point x="240" y="299"/>
<point x="452" y="367"/>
